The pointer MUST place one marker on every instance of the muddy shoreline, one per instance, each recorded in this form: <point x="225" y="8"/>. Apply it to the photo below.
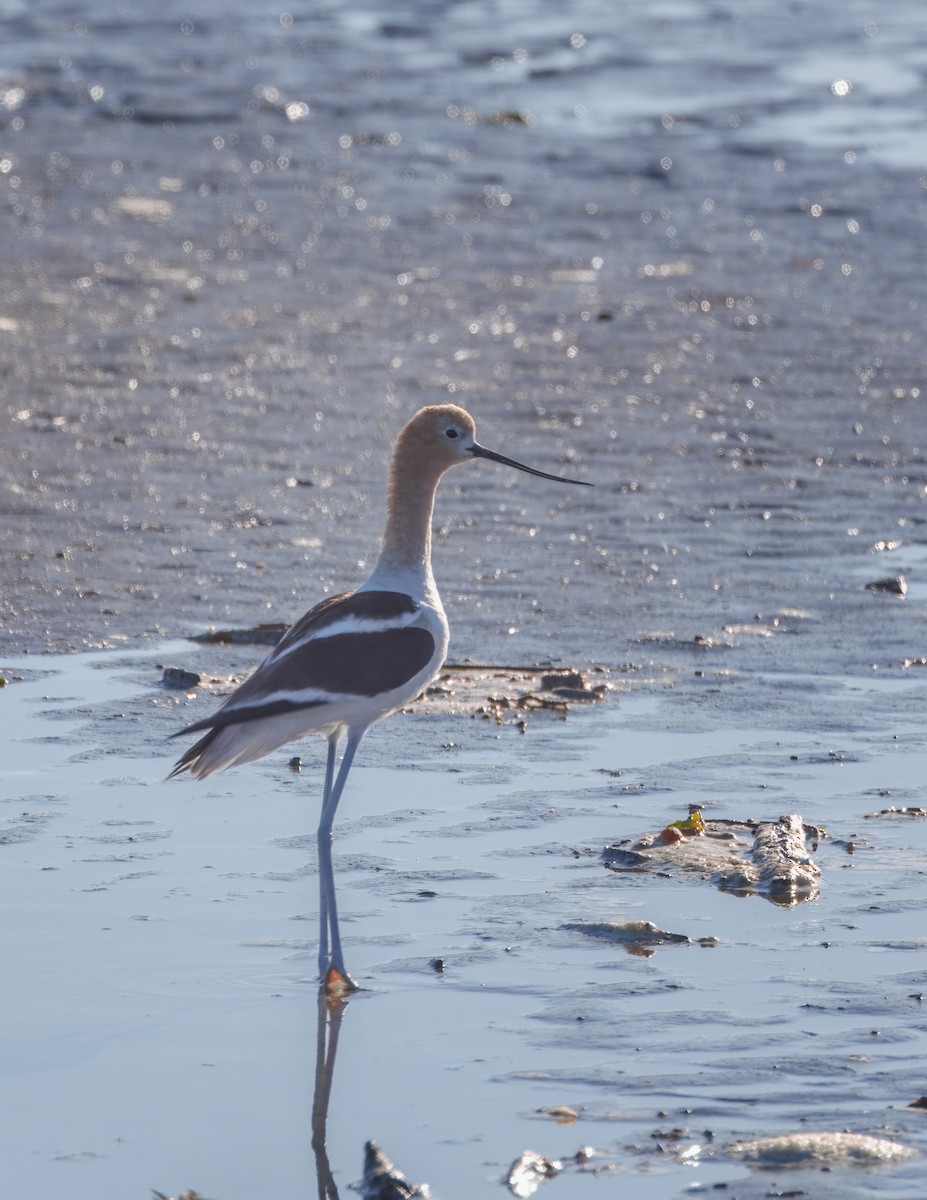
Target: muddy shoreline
<point x="213" y="329"/>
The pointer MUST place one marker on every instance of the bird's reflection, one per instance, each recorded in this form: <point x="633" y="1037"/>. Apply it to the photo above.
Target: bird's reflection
<point x="331" y="1012"/>
<point x="381" y="1179"/>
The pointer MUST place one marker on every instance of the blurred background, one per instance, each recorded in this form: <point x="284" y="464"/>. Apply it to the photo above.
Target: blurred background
<point x="676" y="247"/>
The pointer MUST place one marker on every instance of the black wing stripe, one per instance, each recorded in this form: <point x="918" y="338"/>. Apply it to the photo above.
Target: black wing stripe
<point x="361" y="664"/>
<point x="238" y="715"/>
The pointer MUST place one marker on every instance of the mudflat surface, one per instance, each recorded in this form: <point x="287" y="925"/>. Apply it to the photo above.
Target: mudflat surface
<point x="675" y="254"/>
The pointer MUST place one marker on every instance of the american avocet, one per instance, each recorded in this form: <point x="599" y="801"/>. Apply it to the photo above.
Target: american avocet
<point x="355" y="657"/>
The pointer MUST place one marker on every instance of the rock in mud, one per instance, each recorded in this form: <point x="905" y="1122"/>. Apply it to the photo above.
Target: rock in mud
<point x="562" y="1114"/>
<point x="382" y="1181"/>
<point x="177" y="677"/>
<point x="570" y="685"/>
<point x="528" y="1172"/>
<point x="895" y="585"/>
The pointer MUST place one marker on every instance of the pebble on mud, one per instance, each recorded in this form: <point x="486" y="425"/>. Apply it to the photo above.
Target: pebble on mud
<point x="177" y="677"/>
<point x="895" y="585"/>
<point x="561" y="1113"/>
<point x="529" y="1171"/>
<point x="190" y="1195"/>
<point x="570" y="685"/>
<point x="382" y="1181"/>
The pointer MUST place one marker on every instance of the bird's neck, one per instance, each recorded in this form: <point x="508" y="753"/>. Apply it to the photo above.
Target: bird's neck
<point x="405" y="554"/>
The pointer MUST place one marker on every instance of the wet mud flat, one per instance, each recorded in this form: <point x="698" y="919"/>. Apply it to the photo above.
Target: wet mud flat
<point x="164" y="1029"/>
<point x="229" y="285"/>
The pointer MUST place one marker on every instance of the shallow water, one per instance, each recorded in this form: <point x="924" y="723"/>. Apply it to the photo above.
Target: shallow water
<point x="161" y="1031"/>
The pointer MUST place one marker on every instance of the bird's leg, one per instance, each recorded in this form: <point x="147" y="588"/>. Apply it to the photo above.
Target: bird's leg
<point x="335" y="978"/>
<point x="323" y="895"/>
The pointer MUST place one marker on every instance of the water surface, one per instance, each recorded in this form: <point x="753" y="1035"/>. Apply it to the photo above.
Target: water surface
<point x="162" y="1027"/>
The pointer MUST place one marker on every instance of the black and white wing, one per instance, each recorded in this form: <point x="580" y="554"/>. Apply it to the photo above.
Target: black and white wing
<point x="350" y="660"/>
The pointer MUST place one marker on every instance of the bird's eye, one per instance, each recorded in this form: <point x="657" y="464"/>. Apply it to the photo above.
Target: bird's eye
<point x="452" y="433"/>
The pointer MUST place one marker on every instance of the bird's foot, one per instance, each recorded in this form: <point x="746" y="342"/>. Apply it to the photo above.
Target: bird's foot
<point x="337" y="984"/>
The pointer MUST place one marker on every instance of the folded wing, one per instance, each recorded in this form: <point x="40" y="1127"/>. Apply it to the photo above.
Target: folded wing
<point x="357" y="649"/>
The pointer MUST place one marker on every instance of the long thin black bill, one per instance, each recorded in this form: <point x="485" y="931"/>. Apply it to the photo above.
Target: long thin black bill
<point x="479" y="451"/>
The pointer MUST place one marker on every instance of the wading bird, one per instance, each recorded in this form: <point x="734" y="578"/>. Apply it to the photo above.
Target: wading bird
<point x="355" y="657"/>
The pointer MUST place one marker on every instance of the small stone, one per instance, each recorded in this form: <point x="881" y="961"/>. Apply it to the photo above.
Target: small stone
<point x="382" y="1181"/>
<point x="528" y="1171"/>
<point x="567" y="679"/>
<point x="895" y="585"/>
<point x="563" y="1114"/>
<point x="177" y="677"/>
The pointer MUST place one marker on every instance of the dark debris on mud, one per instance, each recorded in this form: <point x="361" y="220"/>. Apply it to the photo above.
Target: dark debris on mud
<point x="188" y="1195"/>
<point x="913" y="811"/>
<point x="383" y="1181"/>
<point x="505" y="694"/>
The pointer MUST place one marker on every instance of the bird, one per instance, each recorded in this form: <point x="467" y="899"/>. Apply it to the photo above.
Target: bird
<point x="355" y="657"/>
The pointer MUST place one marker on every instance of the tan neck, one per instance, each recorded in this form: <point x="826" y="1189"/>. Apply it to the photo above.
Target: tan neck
<point x="406" y="548"/>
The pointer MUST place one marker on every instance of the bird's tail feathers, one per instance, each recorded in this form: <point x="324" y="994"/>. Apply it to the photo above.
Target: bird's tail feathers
<point x="193" y="760"/>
